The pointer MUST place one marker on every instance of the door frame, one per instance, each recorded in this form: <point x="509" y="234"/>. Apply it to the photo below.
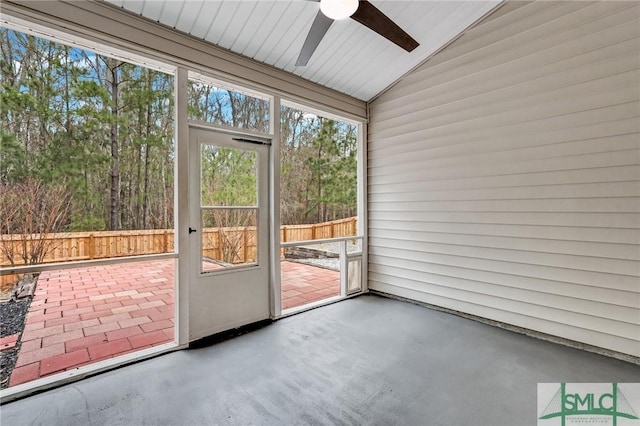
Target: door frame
<point x="229" y="298"/>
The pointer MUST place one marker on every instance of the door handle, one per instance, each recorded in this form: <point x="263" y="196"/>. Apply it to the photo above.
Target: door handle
<point x="191" y="231"/>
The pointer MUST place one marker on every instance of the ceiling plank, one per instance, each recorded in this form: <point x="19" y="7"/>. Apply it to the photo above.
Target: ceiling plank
<point x="189" y="15"/>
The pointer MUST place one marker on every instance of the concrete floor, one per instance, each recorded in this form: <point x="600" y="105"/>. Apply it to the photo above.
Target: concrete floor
<point x="364" y="361"/>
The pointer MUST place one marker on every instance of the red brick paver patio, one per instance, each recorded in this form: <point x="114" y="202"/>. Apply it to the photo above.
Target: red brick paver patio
<point x="85" y="315"/>
<point x="302" y="284"/>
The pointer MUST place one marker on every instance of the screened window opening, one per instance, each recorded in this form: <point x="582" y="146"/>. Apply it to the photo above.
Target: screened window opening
<point x="215" y="104"/>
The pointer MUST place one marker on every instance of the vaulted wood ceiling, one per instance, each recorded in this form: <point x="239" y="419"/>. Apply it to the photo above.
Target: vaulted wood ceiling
<point x="351" y="58"/>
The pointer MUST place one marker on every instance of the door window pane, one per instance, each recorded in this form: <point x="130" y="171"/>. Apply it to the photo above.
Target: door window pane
<point x="228" y="176"/>
<point x="229" y="238"/>
<point x="228" y="206"/>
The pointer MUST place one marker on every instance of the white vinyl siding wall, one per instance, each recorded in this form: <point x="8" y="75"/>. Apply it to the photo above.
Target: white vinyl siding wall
<point x="504" y="174"/>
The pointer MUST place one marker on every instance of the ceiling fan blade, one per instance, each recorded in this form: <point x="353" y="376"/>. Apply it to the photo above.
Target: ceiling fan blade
<point x="369" y="16"/>
<point x="318" y="29"/>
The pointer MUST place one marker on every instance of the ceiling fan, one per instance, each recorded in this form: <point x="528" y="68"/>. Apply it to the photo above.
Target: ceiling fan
<point x="359" y="10"/>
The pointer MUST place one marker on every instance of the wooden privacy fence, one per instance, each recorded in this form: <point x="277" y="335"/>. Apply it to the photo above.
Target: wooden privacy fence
<point x="318" y="231"/>
<point x="232" y="245"/>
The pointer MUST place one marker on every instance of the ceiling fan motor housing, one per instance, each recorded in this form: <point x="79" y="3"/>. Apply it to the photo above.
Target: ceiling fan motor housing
<point x="338" y="9"/>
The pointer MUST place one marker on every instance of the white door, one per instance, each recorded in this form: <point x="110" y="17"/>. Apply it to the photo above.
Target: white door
<point x="229" y="230"/>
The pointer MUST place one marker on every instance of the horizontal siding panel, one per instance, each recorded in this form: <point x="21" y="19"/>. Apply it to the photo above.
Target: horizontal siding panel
<point x="520" y="125"/>
<point x="562" y="86"/>
<point x="536" y="114"/>
<point x="567" y="233"/>
<point x="584" y="161"/>
<point x="588" y="281"/>
<point x="605" y="295"/>
<point x="504" y="174"/>
<point x="596" y="280"/>
<point x="597" y="220"/>
<point x="459" y="154"/>
<point x="578" y="248"/>
<point x="619" y="90"/>
<point x="579" y="205"/>
<point x="427" y="250"/>
<point x="517" y="74"/>
<point x="599" y="175"/>
<point x="584" y="190"/>
<point x="500" y="138"/>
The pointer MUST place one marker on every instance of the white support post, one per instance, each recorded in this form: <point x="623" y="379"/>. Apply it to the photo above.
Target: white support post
<point x="344" y="268"/>
<point x="274" y="168"/>
<point x="182" y="207"/>
<point x="363" y="229"/>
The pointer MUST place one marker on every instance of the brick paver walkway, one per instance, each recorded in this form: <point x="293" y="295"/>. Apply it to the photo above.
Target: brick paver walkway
<point x="85" y="315"/>
<point x="302" y="284"/>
